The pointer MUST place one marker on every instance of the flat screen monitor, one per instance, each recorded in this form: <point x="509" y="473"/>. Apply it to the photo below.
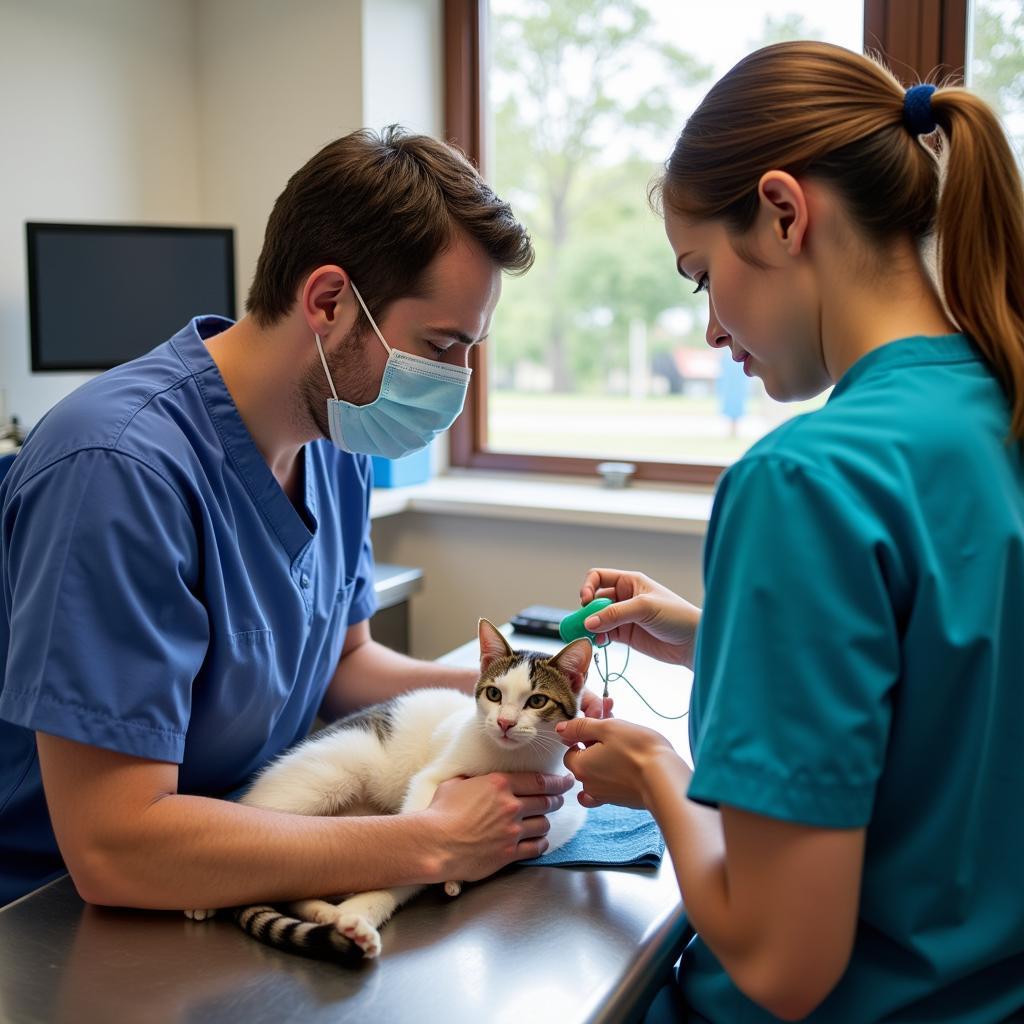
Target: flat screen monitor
<point x="101" y="294"/>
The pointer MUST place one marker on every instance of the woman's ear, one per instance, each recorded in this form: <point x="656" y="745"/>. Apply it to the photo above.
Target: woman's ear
<point x="324" y="298"/>
<point x="784" y="210"/>
<point x="492" y="645"/>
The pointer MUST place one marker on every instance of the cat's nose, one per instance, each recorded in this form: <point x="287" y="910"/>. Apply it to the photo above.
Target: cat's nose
<point x="505" y="724"/>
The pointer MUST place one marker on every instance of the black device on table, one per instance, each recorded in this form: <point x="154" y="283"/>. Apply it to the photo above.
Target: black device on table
<point x="539" y="620"/>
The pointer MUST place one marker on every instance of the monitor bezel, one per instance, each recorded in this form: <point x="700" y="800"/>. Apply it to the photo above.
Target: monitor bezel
<point x="35" y="228"/>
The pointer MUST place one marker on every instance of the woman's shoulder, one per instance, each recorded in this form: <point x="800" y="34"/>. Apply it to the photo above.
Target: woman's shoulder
<point x="871" y="443"/>
<point x="817" y="442"/>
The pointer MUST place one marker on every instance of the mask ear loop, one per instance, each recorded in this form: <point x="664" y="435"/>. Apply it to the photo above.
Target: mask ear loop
<point x="323" y="359"/>
<point x="373" y="323"/>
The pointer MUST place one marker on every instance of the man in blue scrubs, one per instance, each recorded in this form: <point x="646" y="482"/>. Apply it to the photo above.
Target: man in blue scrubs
<point x="186" y="564"/>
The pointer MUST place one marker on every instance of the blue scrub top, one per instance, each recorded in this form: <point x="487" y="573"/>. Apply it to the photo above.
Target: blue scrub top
<point x="161" y="595"/>
<point x="860" y="662"/>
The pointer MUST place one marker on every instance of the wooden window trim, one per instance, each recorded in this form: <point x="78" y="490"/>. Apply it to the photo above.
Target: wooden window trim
<point x="916" y="37"/>
<point x="919" y="39"/>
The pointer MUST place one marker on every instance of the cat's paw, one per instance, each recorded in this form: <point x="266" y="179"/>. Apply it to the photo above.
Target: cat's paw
<point x="199" y="915"/>
<point x="360" y="931"/>
<point x="452" y="888"/>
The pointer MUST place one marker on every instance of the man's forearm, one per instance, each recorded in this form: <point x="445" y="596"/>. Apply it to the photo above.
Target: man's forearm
<point x="186" y="852"/>
<point x="372" y="673"/>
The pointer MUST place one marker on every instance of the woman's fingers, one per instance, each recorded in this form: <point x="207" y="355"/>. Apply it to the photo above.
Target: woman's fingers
<point x="633" y="610"/>
<point x="600" y="583"/>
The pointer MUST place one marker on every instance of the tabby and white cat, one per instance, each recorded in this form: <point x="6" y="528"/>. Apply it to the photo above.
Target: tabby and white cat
<point x="391" y="758"/>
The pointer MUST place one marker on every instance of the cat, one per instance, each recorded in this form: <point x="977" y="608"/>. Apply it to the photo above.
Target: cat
<point x="391" y="758"/>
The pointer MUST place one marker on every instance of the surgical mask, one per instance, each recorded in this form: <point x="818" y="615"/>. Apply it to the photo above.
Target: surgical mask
<point x="419" y="399"/>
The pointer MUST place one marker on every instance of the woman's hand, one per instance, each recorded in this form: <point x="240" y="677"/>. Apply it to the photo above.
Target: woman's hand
<point x="594" y="706"/>
<point x="616" y="760"/>
<point x="647" y="616"/>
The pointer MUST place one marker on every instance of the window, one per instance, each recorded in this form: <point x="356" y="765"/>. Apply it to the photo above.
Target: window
<point x="571" y="107"/>
<point x="996" y="65"/>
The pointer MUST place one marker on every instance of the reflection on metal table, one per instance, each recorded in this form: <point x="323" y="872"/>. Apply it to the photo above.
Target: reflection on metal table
<point x="394" y="585"/>
<point x="537" y="944"/>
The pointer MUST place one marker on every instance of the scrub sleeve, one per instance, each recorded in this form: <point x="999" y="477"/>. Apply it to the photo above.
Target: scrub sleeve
<point x="107" y="631"/>
<point x="779" y="725"/>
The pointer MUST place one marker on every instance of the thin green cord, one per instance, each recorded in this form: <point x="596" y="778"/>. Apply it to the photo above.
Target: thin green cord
<point x="607" y="677"/>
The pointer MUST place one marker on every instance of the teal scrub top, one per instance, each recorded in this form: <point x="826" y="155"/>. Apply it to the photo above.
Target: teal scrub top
<point x="860" y="662"/>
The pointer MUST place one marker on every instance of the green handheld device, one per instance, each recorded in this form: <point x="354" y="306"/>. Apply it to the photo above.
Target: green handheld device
<point x="571" y="627"/>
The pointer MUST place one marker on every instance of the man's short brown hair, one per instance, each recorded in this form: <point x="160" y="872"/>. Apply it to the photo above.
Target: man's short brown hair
<point x="381" y="207"/>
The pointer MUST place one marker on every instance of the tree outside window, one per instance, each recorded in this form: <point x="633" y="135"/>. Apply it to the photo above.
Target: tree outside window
<point x="996" y="66"/>
<point x="599" y="350"/>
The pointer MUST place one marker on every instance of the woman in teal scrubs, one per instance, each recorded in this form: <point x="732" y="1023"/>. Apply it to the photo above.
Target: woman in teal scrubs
<point x="850" y="846"/>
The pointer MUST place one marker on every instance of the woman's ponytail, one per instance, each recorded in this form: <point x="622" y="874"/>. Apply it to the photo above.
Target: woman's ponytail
<point x="980" y="235"/>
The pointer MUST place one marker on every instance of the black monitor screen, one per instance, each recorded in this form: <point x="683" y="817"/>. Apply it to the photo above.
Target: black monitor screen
<point x="101" y="294"/>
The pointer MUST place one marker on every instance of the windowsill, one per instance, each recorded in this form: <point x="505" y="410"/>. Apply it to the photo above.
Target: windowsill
<point x="658" y="508"/>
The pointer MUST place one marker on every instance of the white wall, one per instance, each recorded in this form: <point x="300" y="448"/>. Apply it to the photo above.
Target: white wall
<point x="277" y="81"/>
<point x="185" y="111"/>
<point x="402" y="73"/>
<point x="97" y="123"/>
<point x="494" y="567"/>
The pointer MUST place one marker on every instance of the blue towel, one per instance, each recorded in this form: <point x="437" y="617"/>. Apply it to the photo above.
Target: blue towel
<point x="610" y="837"/>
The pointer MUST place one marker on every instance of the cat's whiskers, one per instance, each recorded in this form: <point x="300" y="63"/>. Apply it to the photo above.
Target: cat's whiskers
<point x="548" y="744"/>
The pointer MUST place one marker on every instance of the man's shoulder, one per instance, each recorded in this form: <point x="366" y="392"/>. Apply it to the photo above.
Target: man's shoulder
<point x="139" y="409"/>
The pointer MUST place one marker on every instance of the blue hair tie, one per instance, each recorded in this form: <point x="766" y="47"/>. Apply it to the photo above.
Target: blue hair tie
<point x="917" y="110"/>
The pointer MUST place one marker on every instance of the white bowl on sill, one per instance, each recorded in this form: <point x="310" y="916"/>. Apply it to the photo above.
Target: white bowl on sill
<point x="616" y="474"/>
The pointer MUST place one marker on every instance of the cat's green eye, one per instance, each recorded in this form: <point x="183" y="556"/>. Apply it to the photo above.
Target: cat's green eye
<point x="492" y="693"/>
<point x="538" y="700"/>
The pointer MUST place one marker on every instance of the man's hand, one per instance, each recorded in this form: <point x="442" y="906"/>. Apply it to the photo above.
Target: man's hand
<point x="490" y="821"/>
<point x="613" y="760"/>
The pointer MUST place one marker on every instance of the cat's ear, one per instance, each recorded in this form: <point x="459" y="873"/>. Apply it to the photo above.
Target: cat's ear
<point x="573" y="661"/>
<point x="492" y="645"/>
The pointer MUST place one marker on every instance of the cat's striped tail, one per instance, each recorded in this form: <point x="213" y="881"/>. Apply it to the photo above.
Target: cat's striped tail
<point x="320" y="941"/>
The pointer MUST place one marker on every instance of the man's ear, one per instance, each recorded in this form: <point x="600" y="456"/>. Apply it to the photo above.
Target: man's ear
<point x="573" y="661"/>
<point x="326" y="299"/>
<point x="492" y="645"/>
<point x="784" y="208"/>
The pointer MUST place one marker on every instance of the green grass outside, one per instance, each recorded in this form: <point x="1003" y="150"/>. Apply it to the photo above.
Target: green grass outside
<point x="664" y="428"/>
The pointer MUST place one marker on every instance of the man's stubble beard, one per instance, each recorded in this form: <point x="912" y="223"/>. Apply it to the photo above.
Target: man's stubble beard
<point x="353" y="380"/>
